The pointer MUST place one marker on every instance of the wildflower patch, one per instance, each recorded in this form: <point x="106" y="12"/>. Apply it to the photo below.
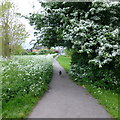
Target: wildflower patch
<point x="24" y="76"/>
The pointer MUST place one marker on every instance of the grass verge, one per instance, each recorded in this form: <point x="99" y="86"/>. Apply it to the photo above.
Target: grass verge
<point x="107" y="98"/>
<point x="64" y="61"/>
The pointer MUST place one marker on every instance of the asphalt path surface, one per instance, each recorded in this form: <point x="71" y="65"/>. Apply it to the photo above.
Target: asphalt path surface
<point x="65" y="99"/>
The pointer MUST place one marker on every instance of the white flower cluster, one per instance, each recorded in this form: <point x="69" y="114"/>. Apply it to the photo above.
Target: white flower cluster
<point x="89" y="37"/>
<point x="25" y="74"/>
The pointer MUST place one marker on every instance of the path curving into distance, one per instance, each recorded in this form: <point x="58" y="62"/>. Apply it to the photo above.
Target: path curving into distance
<point x="65" y="99"/>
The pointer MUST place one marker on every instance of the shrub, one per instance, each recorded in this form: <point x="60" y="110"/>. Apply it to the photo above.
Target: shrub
<point x="69" y="52"/>
<point x="83" y="72"/>
<point x="42" y="51"/>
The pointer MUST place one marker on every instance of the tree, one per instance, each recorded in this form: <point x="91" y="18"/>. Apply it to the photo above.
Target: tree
<point x="5" y="36"/>
<point x="18" y="35"/>
<point x="74" y="25"/>
<point x="51" y="22"/>
<point x="18" y="50"/>
<point x="12" y="32"/>
<point x="91" y="29"/>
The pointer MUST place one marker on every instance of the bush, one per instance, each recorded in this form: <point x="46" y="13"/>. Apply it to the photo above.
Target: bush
<point x="43" y="51"/>
<point x="83" y="72"/>
<point x="51" y="51"/>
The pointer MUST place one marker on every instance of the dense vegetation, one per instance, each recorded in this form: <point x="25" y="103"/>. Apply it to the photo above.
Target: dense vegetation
<point x="108" y="98"/>
<point x="91" y="30"/>
<point x="24" y="80"/>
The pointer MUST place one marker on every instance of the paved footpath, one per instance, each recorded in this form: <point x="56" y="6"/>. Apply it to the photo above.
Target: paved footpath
<point x="65" y="99"/>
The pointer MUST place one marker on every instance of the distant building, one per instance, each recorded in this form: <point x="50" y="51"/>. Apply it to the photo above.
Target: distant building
<point x="35" y="50"/>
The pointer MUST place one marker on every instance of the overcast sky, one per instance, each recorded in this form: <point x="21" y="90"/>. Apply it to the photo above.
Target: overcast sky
<point x="25" y="7"/>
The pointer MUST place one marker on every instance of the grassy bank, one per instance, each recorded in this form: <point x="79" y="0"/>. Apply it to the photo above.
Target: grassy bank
<point x="24" y="81"/>
<point x="65" y="62"/>
<point x="107" y="98"/>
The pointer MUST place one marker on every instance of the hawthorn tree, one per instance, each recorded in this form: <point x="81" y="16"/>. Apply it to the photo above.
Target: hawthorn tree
<point x="91" y="29"/>
<point x="51" y="22"/>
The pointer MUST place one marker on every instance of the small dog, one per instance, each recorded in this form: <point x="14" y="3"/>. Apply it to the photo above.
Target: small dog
<point x="60" y="72"/>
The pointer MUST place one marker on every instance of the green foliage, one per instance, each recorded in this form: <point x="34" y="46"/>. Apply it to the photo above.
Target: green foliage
<point x="91" y="29"/>
<point x="18" y="50"/>
<point x="43" y="51"/>
<point x="32" y="53"/>
<point x="29" y="53"/>
<point x="85" y="73"/>
<point x="93" y="34"/>
<point x="69" y="52"/>
<point x="24" y="76"/>
<point x="105" y="13"/>
<point x="52" y="51"/>
<point x="46" y="51"/>
<point x="50" y="30"/>
<point x="98" y="41"/>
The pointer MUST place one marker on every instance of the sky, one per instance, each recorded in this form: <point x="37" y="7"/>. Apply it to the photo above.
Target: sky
<point x="25" y="7"/>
